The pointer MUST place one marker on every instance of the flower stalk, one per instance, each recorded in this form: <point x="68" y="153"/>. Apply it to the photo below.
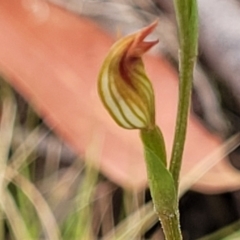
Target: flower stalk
<point x="187" y="19"/>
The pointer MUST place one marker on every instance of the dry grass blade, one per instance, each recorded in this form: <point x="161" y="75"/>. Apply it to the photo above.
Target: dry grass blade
<point x="138" y="225"/>
<point x="6" y="129"/>
<point x="85" y="196"/>
<point x="62" y="186"/>
<point x="44" y="212"/>
<point x="207" y="163"/>
<point x="8" y="205"/>
<point x="6" y="133"/>
<point x="14" y="217"/>
<point x="27" y="147"/>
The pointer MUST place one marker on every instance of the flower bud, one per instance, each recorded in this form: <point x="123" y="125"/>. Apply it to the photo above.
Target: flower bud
<point x="123" y="84"/>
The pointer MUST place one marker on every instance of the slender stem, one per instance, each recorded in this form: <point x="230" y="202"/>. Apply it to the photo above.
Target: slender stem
<point x="187" y="19"/>
<point x="171" y="227"/>
<point x="8" y="115"/>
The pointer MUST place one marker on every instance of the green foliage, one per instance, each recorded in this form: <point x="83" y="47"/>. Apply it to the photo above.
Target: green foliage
<point x="160" y="180"/>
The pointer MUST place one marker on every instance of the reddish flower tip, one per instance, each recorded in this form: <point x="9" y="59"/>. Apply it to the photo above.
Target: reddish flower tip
<point x="139" y="46"/>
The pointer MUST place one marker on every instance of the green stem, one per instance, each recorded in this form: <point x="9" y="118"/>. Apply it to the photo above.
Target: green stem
<point x="187" y="19"/>
<point x="171" y="227"/>
<point x="161" y="183"/>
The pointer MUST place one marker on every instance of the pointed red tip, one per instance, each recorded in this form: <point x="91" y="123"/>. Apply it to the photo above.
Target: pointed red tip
<point x="139" y="46"/>
<point x="147" y="30"/>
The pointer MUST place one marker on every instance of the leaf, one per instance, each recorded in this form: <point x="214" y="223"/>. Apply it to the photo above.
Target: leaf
<point x="160" y="180"/>
<point x="52" y="57"/>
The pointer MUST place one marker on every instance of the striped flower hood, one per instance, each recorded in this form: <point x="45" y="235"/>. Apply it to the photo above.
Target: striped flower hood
<point x="123" y="85"/>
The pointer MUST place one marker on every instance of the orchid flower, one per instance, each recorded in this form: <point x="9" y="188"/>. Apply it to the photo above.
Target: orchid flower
<point x="123" y="84"/>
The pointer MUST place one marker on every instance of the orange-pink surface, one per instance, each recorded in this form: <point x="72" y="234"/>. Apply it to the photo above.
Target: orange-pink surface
<point x="52" y="57"/>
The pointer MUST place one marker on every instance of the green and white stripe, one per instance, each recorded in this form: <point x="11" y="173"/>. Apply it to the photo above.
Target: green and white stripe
<point x="131" y="105"/>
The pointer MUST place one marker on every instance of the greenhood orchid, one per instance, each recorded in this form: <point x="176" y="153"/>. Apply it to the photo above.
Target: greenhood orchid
<point x="123" y="84"/>
<point x="128" y="96"/>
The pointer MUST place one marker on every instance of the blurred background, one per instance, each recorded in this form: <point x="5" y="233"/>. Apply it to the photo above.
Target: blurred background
<point x="66" y="170"/>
